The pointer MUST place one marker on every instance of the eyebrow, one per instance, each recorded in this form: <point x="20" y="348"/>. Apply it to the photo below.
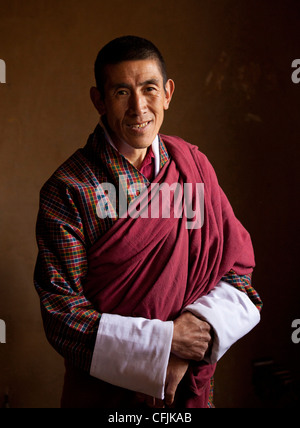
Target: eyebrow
<point x="126" y="85"/>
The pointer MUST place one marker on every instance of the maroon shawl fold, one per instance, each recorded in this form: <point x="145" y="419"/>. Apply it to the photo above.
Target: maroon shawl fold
<point x="154" y="267"/>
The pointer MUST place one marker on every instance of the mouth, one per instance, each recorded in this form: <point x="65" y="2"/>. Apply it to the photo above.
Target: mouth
<point x="139" y="125"/>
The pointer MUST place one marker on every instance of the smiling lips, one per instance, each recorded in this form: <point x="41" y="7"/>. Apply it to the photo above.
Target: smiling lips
<point x="139" y="125"/>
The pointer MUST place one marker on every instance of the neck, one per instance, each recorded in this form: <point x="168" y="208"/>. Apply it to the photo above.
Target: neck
<point x="133" y="155"/>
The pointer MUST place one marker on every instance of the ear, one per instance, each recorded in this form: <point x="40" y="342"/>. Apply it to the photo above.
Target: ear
<point x="169" y="91"/>
<point x="97" y="100"/>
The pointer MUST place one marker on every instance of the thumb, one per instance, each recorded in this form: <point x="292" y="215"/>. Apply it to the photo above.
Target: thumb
<point x="170" y="393"/>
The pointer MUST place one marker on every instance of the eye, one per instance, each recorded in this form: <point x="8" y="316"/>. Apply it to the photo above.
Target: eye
<point x="150" y="89"/>
<point x="122" y="92"/>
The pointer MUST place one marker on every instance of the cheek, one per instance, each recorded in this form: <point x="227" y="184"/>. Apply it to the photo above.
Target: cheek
<point x="159" y="106"/>
<point x="159" y="112"/>
<point x="115" y="115"/>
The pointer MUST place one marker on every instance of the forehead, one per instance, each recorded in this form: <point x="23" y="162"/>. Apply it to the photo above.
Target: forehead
<point x="133" y="72"/>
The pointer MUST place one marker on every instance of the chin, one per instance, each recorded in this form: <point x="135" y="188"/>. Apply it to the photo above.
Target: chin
<point x="139" y="143"/>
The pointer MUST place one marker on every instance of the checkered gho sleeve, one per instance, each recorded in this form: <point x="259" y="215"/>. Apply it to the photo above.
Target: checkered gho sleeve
<point x="244" y="284"/>
<point x="70" y="321"/>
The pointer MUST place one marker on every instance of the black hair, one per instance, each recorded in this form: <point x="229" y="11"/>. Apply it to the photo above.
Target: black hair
<point x="126" y="48"/>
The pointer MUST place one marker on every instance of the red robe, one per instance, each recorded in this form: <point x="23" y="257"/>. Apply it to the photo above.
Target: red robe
<point x="153" y="268"/>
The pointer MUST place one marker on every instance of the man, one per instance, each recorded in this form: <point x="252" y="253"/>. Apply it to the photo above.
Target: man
<point x="139" y="296"/>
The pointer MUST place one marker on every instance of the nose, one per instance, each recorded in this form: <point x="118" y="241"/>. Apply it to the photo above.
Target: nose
<point x="137" y="104"/>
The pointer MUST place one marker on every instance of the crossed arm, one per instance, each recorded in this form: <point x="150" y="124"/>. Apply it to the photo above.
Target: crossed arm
<point x="192" y="338"/>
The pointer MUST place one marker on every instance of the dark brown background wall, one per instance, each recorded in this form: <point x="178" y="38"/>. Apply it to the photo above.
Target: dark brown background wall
<point x="231" y="61"/>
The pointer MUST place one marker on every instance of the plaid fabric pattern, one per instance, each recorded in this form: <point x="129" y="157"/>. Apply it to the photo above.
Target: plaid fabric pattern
<point x="243" y="283"/>
<point x="210" y="404"/>
<point x="67" y="226"/>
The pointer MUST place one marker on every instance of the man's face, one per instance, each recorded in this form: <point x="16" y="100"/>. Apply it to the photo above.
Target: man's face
<point x="135" y="101"/>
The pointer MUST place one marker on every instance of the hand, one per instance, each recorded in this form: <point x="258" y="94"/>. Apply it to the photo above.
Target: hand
<point x="175" y="372"/>
<point x="191" y="337"/>
<point x="177" y="368"/>
<point x="191" y="341"/>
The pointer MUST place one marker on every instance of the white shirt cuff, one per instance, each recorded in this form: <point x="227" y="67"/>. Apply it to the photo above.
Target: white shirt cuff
<point x="231" y="314"/>
<point x="133" y="353"/>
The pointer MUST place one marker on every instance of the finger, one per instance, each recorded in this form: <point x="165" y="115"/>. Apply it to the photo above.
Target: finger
<point x="159" y="404"/>
<point x="169" y="399"/>
<point x="150" y="401"/>
<point x="154" y="403"/>
<point x="170" y="394"/>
